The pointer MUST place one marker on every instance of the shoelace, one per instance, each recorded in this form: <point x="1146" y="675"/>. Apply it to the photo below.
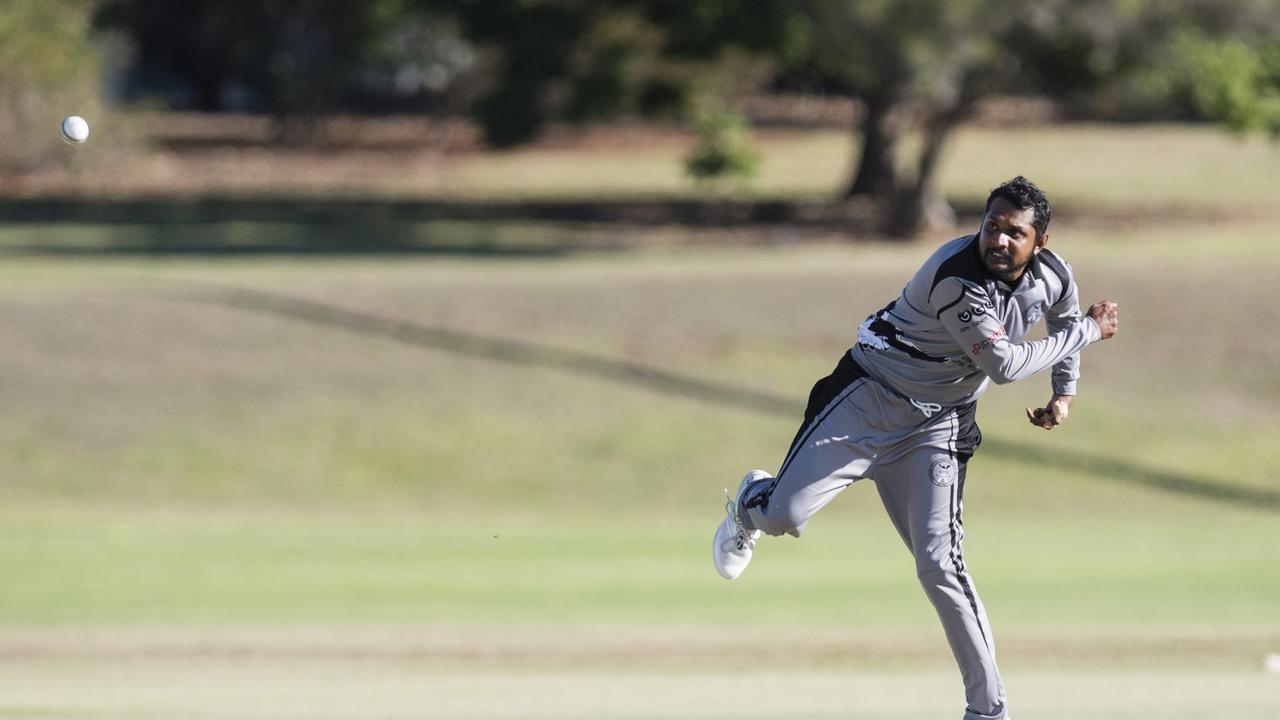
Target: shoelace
<point x="744" y="538"/>
<point x="927" y="408"/>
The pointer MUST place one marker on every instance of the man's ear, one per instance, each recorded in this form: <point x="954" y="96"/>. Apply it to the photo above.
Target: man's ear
<point x="1040" y="243"/>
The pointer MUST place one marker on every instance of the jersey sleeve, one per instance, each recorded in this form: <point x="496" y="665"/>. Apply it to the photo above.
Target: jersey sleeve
<point x="969" y="317"/>
<point x="1060" y="316"/>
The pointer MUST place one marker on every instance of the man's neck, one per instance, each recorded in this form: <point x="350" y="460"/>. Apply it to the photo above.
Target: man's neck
<point x="1012" y="281"/>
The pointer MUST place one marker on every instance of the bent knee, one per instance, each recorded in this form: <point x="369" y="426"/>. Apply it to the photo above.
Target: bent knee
<point x="779" y="518"/>
<point x="778" y="525"/>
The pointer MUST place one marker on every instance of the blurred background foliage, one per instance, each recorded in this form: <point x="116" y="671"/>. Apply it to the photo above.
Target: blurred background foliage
<point x="51" y="69"/>
<point x="723" y="149"/>
<point x="914" y="68"/>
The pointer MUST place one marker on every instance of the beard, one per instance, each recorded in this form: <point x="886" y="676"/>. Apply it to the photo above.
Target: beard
<point x="1003" y="266"/>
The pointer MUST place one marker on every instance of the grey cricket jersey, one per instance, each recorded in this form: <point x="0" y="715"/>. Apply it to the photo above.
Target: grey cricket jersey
<point x="955" y="327"/>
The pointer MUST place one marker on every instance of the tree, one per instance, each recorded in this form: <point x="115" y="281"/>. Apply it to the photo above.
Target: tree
<point x="1235" y="82"/>
<point x="923" y="64"/>
<point x="918" y="64"/>
<point x="587" y="59"/>
<point x="1238" y="85"/>
<point x="537" y="57"/>
<point x="292" y="58"/>
<point x="1188" y="60"/>
<point x="913" y="64"/>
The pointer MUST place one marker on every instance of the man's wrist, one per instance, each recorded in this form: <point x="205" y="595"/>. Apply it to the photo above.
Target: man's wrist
<point x="1096" y="334"/>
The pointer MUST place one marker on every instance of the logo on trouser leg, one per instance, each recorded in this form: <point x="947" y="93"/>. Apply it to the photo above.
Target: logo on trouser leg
<point x="943" y="472"/>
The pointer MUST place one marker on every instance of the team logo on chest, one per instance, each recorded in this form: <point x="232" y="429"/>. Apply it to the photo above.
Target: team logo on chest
<point x="1034" y="312"/>
<point x="943" y="472"/>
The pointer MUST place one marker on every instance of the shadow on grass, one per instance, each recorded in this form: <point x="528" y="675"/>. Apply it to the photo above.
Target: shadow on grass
<point x="264" y="225"/>
<point x="1200" y="486"/>
<point x="228" y="227"/>
<point x="343" y="237"/>
<point x="516" y="352"/>
<point x="532" y="354"/>
<point x="211" y="209"/>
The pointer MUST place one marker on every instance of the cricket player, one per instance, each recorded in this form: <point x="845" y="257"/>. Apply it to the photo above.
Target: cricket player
<point x="899" y="409"/>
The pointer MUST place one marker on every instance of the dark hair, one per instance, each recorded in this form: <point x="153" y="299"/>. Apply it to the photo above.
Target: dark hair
<point x="1022" y="193"/>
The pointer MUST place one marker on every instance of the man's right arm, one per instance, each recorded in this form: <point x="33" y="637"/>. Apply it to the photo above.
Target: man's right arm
<point x="970" y="320"/>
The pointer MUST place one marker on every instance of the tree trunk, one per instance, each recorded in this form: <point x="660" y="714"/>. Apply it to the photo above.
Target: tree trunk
<point x="921" y="206"/>
<point x="209" y="93"/>
<point x="877" y="175"/>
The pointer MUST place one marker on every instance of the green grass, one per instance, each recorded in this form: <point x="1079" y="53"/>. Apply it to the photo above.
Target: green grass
<point x="215" y="509"/>
<point x="522" y="616"/>
<point x="850" y="571"/>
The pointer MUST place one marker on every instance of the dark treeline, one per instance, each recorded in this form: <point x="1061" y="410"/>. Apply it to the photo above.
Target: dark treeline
<point x="514" y="66"/>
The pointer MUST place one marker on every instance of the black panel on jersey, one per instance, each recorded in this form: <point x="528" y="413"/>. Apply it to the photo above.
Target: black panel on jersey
<point x="1059" y="268"/>
<point x="824" y="391"/>
<point x="965" y="264"/>
<point x="890" y="333"/>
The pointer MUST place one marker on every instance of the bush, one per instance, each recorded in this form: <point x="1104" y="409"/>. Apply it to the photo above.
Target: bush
<point x="723" y="151"/>
<point x="1234" y="83"/>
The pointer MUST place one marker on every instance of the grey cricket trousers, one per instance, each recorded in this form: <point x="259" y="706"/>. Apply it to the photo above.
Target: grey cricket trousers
<point x="856" y="427"/>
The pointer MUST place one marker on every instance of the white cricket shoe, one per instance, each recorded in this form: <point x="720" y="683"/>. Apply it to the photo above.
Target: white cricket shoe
<point x="733" y="544"/>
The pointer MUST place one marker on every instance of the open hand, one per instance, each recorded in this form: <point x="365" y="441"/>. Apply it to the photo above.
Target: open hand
<point x="1052" y="414"/>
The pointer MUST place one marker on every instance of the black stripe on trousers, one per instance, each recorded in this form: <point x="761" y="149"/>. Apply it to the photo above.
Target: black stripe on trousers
<point x="824" y="392"/>
<point x="957" y="555"/>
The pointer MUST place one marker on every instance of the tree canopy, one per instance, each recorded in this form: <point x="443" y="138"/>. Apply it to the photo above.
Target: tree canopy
<point x="914" y="66"/>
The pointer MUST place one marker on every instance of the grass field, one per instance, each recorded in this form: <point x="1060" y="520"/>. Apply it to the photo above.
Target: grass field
<point x="450" y="486"/>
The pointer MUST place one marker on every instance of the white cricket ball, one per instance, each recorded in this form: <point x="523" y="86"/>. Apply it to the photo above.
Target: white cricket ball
<point x="75" y="129"/>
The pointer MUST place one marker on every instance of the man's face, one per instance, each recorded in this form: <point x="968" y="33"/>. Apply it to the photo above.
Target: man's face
<point x="1008" y="239"/>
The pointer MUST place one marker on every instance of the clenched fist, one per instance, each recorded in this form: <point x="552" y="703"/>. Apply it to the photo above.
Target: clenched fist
<point x="1052" y="414"/>
<point x="1107" y="315"/>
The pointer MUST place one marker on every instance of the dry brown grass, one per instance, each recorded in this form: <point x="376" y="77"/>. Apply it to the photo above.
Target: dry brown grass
<point x="634" y="648"/>
<point x="1166" y="167"/>
<point x="609" y="672"/>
